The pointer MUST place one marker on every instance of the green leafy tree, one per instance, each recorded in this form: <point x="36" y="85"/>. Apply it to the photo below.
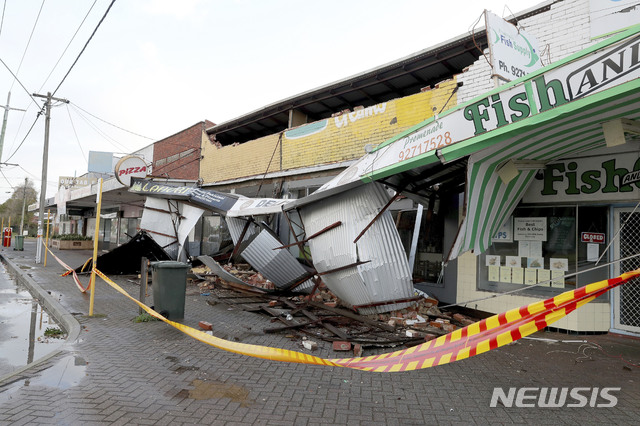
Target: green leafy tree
<point x="12" y="208"/>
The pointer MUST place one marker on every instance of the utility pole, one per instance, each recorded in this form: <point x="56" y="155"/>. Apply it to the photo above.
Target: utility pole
<point x="45" y="160"/>
<point x="4" y="122"/>
<point x="24" y="201"/>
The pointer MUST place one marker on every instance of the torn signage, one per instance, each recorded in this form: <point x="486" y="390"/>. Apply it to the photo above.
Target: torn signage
<point x="225" y="204"/>
<point x="211" y="200"/>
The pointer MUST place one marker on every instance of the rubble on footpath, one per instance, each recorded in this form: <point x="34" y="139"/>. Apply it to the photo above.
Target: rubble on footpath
<point x="320" y="316"/>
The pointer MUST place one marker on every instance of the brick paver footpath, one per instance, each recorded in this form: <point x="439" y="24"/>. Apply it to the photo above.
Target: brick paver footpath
<point x="115" y="371"/>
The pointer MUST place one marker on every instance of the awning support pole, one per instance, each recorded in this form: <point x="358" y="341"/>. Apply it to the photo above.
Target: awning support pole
<point x="300" y="244"/>
<point x="414" y="239"/>
<point x="358" y="263"/>
<point x="242" y="234"/>
<point x="320" y="232"/>
<point x="386" y="206"/>
<point x="389" y="302"/>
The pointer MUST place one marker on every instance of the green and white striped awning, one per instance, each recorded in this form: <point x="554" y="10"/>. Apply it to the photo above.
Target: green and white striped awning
<point x="560" y="133"/>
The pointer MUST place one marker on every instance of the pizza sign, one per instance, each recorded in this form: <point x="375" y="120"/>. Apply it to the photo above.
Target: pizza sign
<point x="129" y="167"/>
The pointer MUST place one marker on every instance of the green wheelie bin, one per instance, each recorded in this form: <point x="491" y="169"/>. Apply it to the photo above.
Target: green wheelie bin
<point x="18" y="242"/>
<point x="169" y="282"/>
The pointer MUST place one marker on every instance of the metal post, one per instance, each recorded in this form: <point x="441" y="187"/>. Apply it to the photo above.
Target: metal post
<point x="43" y="185"/>
<point x="24" y="201"/>
<point x="46" y="240"/>
<point x="45" y="161"/>
<point x="414" y="240"/>
<point x="144" y="279"/>
<point x="4" y="122"/>
<point x="95" y="249"/>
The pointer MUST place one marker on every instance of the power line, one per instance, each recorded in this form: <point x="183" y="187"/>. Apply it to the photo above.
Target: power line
<point x="5" y="178"/>
<point x="111" y="124"/>
<point x="85" y="46"/>
<point x="36" y="178"/>
<point x="69" y="44"/>
<point x="28" y="42"/>
<point x="76" y="134"/>
<point x="25" y="137"/>
<point x="19" y="82"/>
<point x="108" y="138"/>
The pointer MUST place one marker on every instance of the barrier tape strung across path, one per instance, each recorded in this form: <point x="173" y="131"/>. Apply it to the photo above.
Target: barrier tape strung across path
<point x="477" y="338"/>
<point x="490" y="333"/>
<point x="70" y="271"/>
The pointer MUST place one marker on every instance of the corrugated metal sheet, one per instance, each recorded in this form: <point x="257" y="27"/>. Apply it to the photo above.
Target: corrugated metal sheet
<point x="278" y="266"/>
<point x="387" y="276"/>
<point x="158" y="222"/>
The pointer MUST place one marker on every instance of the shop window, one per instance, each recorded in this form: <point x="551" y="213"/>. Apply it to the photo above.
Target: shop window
<point x="546" y="251"/>
<point x="429" y="251"/>
<point x="215" y="235"/>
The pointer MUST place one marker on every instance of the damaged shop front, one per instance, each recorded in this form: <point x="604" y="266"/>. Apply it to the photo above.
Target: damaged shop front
<point x="551" y="183"/>
<point x="353" y="245"/>
<point x="473" y="170"/>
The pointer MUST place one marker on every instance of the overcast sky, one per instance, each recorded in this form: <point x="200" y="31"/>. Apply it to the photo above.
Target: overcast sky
<point x="155" y="67"/>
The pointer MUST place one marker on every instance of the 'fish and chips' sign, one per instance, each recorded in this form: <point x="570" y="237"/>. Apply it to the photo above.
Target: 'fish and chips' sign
<point x="613" y="64"/>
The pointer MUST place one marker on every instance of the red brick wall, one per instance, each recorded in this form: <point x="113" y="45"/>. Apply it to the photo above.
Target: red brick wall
<point x="178" y="156"/>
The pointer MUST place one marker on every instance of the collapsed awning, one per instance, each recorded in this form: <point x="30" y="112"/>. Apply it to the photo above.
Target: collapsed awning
<point x="229" y="205"/>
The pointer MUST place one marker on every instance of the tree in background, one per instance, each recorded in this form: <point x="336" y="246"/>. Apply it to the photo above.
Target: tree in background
<point x="12" y="208"/>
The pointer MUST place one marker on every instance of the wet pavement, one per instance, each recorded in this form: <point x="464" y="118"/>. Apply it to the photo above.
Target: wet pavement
<point x="113" y="370"/>
<point x="23" y="322"/>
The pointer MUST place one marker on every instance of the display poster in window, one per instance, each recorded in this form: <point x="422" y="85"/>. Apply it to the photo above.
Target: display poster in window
<point x="523" y="248"/>
<point x="535" y="262"/>
<point x="544" y="275"/>
<point x="593" y="251"/>
<point x="492" y="260"/>
<point x="558" y="279"/>
<point x="558" y="264"/>
<point x="517" y="275"/>
<point x="530" y="228"/>
<point x="513" y="261"/>
<point x="505" y="233"/>
<point x="530" y="276"/>
<point x="505" y="274"/>
<point x="535" y="248"/>
<point x="494" y="273"/>
<point x="562" y="231"/>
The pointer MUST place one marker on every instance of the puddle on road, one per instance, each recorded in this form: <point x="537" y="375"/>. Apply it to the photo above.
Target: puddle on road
<point x="23" y="323"/>
<point x="63" y="374"/>
<point x="204" y="390"/>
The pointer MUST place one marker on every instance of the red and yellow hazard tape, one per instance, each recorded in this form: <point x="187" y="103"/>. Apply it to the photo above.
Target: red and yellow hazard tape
<point x="71" y="271"/>
<point x="477" y="338"/>
<point x="490" y="333"/>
